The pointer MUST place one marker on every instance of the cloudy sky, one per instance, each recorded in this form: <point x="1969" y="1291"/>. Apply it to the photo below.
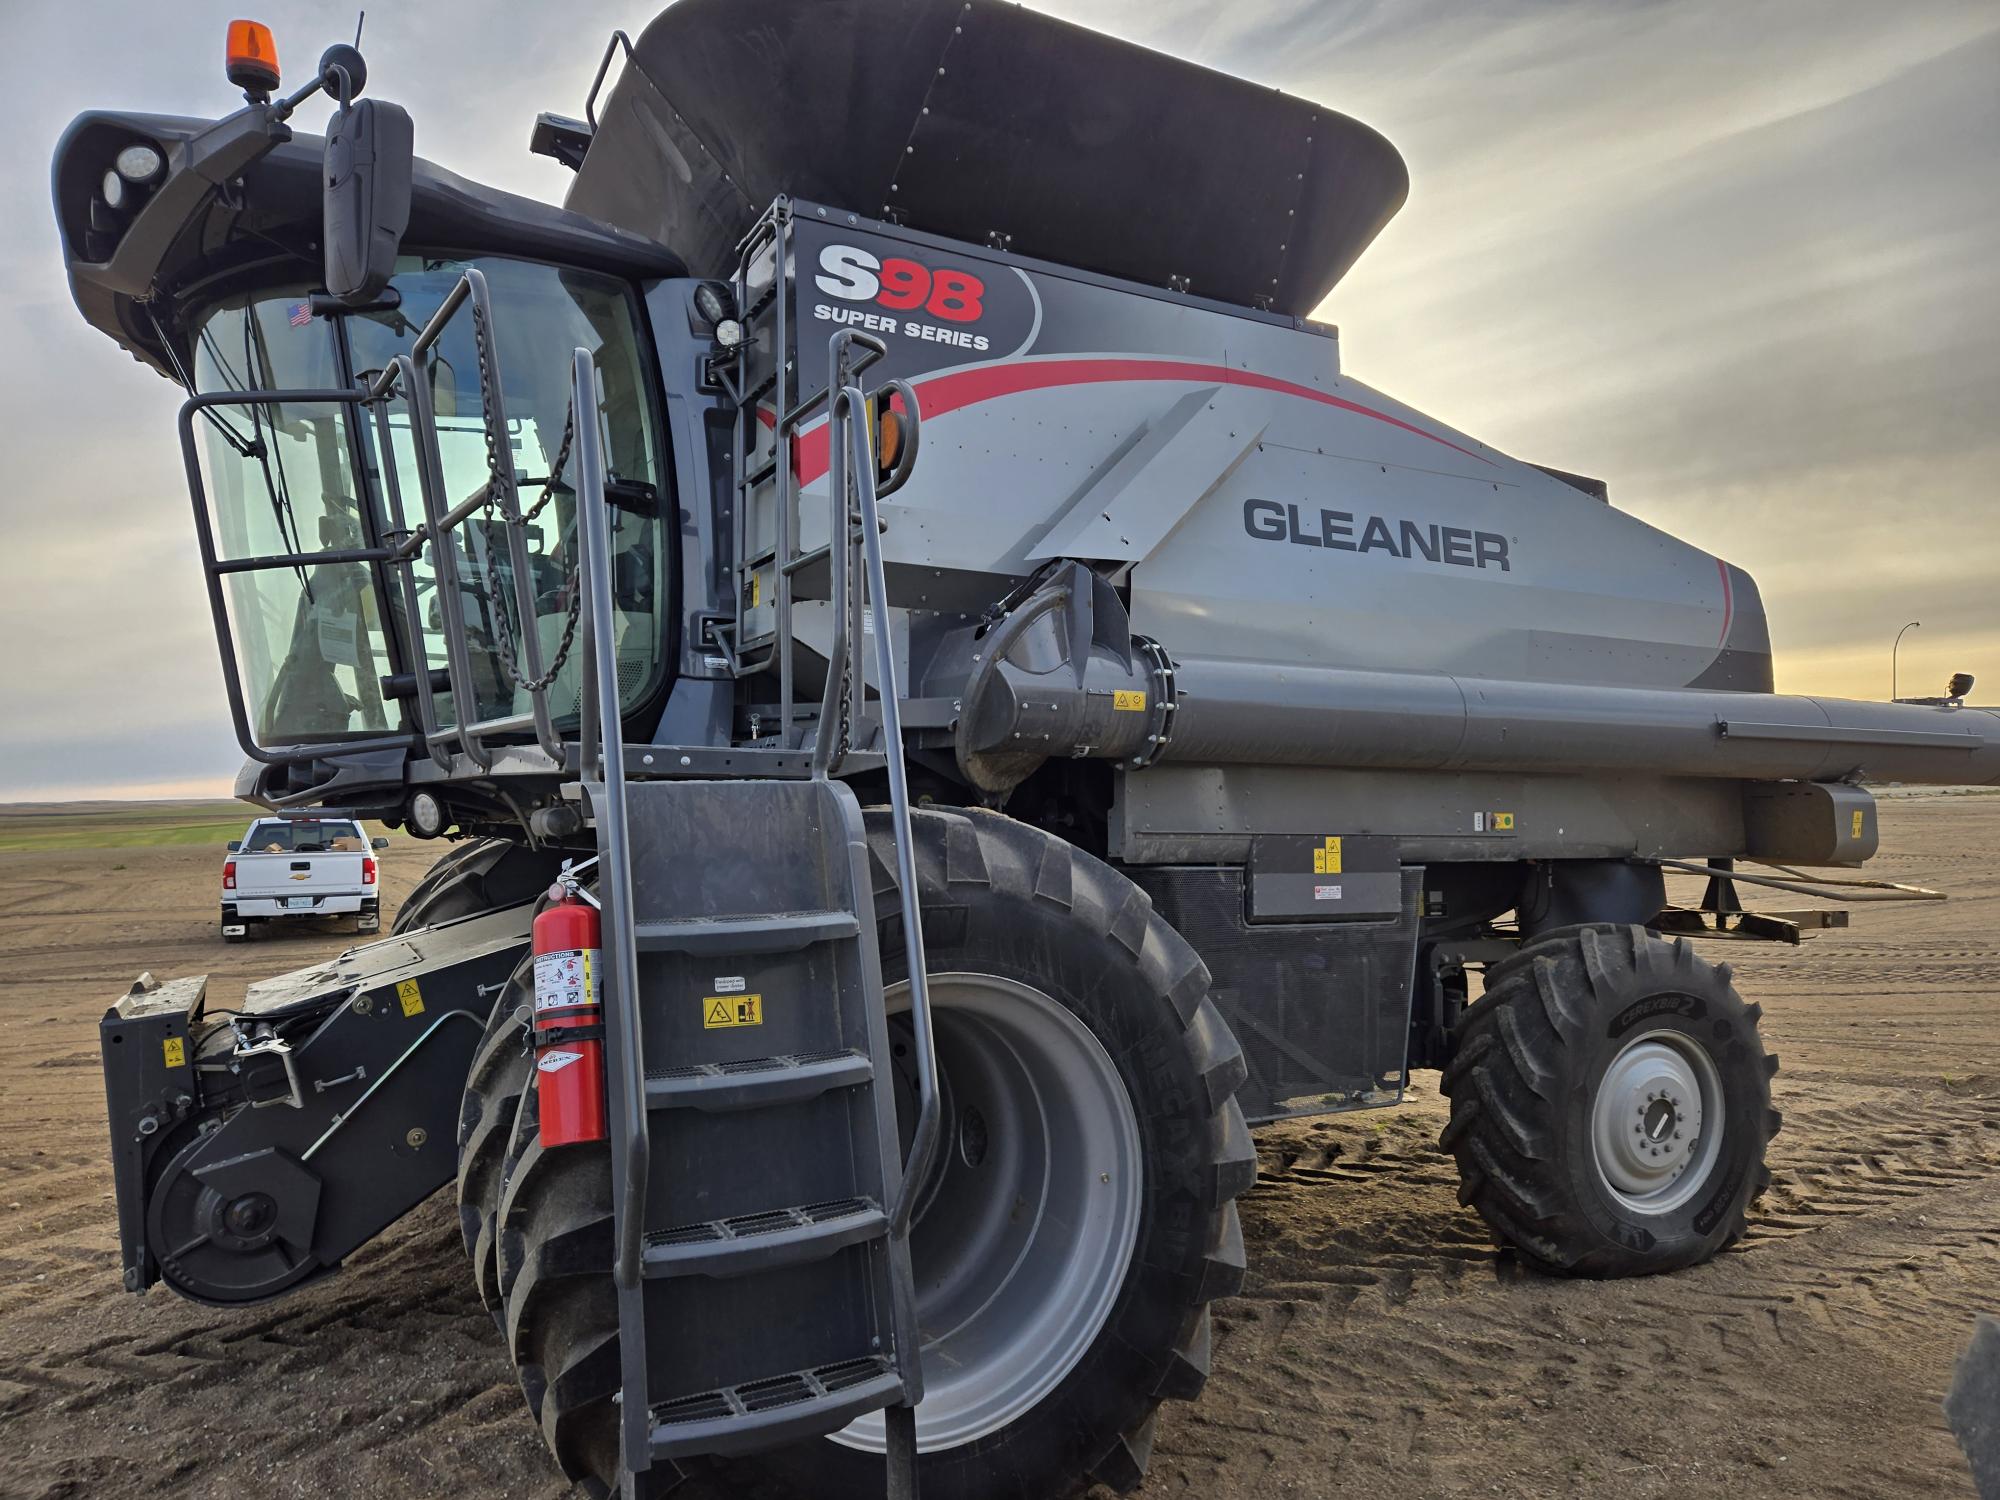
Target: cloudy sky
<point x="1742" y="260"/>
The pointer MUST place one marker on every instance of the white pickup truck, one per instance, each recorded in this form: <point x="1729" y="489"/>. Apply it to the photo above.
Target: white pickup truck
<point x="295" y="868"/>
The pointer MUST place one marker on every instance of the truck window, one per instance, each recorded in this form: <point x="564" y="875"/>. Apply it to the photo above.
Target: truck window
<point x="304" y="836"/>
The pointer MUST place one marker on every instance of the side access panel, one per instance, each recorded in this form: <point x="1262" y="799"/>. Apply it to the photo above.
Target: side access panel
<point x="1321" y="1004"/>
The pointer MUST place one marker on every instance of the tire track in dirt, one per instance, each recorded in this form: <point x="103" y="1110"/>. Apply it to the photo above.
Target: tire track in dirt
<point x="1372" y="1295"/>
<point x="416" y="1361"/>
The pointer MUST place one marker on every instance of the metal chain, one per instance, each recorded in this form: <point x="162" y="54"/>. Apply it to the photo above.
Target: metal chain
<point x="499" y="495"/>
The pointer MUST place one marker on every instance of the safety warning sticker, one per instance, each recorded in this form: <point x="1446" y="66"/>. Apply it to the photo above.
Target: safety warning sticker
<point x="412" y="998"/>
<point x="176" y="1052"/>
<point x="1857" y="823"/>
<point x="1326" y="861"/>
<point x="566" y="978"/>
<point x="1127" y="700"/>
<point x="732" y="1010"/>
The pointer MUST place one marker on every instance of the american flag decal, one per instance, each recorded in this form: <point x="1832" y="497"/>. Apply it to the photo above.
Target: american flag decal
<point x="302" y="314"/>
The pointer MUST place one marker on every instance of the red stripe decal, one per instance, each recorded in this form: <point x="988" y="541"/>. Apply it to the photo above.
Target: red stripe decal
<point x="1728" y="600"/>
<point x="957" y="388"/>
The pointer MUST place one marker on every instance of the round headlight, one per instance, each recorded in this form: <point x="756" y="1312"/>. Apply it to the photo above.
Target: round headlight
<point x="114" y="190"/>
<point x="713" y="303"/>
<point x="729" y="333"/>
<point x="426" y="815"/>
<point x="140" y="164"/>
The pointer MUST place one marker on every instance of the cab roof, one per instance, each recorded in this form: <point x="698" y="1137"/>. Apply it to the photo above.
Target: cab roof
<point x="192" y="229"/>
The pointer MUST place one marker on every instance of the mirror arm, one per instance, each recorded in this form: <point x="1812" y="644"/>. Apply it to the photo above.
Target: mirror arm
<point x="282" y="110"/>
<point x="326" y="305"/>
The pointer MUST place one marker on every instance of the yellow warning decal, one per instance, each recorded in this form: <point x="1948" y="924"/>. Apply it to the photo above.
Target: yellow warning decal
<point x="1857" y="822"/>
<point x="1326" y="858"/>
<point x="756" y="589"/>
<point x="176" y="1052"/>
<point x="1128" y="700"/>
<point x="1503" y="820"/>
<point x="732" y="1010"/>
<point x="411" y="996"/>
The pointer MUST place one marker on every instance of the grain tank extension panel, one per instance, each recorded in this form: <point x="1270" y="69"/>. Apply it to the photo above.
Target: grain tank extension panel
<point x="990" y="124"/>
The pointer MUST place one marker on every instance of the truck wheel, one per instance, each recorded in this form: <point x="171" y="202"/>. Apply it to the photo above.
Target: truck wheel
<point x="478" y="876"/>
<point x="1610" y="1104"/>
<point x="1064" y="1005"/>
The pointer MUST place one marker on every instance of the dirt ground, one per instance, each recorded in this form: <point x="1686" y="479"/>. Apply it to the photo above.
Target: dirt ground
<point x="1381" y="1347"/>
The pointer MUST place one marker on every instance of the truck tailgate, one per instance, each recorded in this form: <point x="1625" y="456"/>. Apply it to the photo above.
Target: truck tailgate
<point x="266" y="876"/>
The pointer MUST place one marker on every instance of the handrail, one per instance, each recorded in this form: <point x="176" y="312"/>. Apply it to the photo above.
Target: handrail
<point x="601" y="755"/>
<point x="603" y="67"/>
<point x="771" y="232"/>
<point x="603" y="751"/>
<point x="399" y="526"/>
<point x="851" y="466"/>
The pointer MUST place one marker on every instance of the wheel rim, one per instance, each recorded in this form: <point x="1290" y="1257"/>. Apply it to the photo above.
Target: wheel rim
<point x="1657" y="1123"/>
<point x="1026" y="1227"/>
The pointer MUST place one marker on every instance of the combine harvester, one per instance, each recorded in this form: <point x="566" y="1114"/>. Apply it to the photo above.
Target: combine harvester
<point x="999" y="709"/>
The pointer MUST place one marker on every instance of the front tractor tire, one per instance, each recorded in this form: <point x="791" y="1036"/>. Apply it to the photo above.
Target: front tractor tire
<point x="1067" y="1012"/>
<point x="1610" y="1104"/>
<point x="476" y="876"/>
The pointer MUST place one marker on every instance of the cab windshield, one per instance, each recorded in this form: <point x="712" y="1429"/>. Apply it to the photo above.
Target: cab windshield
<point x="313" y="642"/>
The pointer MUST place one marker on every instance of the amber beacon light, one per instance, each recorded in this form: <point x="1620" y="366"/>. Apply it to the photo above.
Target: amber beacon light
<point x="252" y="57"/>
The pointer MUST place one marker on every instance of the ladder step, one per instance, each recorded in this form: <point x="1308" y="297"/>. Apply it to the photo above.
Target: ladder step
<point x="764" y="1242"/>
<point x="756" y="1083"/>
<point x="768" y="932"/>
<point x="762" y="1414"/>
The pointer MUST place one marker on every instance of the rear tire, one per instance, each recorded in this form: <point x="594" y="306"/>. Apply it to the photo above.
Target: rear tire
<point x="1610" y="1104"/>
<point x="1004" y="901"/>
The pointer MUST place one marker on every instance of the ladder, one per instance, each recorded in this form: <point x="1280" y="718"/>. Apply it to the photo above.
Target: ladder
<point x="761" y="1203"/>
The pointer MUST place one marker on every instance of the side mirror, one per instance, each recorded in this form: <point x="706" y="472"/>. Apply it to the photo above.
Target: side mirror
<point x="235" y="845"/>
<point x="370" y="160"/>
<point x="1961" y="684"/>
<point x="379" y="842"/>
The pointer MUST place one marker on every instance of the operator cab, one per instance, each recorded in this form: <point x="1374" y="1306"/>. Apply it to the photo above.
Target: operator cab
<point x="314" y="643"/>
<point x="378" y="437"/>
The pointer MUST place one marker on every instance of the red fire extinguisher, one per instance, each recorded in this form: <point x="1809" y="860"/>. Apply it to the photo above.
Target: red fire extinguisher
<point x="569" y="1019"/>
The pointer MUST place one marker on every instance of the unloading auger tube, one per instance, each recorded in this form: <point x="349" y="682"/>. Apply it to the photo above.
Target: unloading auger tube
<point x="1030" y="696"/>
